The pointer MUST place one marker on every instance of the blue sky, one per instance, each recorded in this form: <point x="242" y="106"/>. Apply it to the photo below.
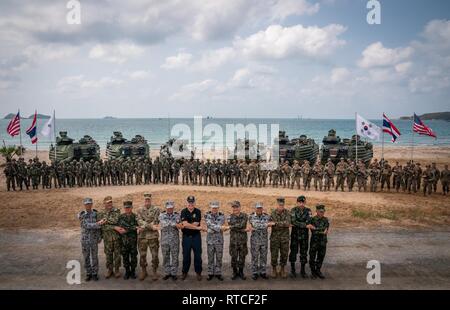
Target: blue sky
<point x="225" y="58"/>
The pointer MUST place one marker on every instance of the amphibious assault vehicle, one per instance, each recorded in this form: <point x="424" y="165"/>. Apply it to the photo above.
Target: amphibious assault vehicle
<point x="119" y="147"/>
<point x="300" y="149"/>
<point x="248" y="149"/>
<point x="334" y="147"/>
<point x="67" y="150"/>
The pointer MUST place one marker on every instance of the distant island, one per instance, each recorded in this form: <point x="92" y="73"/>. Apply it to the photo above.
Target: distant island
<point x="445" y="116"/>
<point x="110" y="117"/>
<point x="39" y="116"/>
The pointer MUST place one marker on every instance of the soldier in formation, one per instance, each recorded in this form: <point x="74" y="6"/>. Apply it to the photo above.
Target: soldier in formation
<point x="128" y="222"/>
<point x="377" y="175"/>
<point x="215" y="224"/>
<point x="237" y="223"/>
<point x="279" y="238"/>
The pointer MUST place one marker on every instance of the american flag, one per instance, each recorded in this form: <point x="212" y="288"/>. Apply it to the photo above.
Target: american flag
<point x="32" y="131"/>
<point x="13" y="128"/>
<point x="421" y="128"/>
<point x="389" y="128"/>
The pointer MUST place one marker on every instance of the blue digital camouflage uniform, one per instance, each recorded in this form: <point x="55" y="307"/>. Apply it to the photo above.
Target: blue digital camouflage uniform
<point x="214" y="241"/>
<point x="90" y="238"/>
<point x="170" y="241"/>
<point x="259" y="242"/>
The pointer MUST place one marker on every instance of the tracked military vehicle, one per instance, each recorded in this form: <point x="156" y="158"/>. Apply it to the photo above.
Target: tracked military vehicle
<point x="248" y="149"/>
<point x="175" y="148"/>
<point x="119" y="147"/>
<point x="299" y="149"/>
<point x="334" y="147"/>
<point x="67" y="150"/>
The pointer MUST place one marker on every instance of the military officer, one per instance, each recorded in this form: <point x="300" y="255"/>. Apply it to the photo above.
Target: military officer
<point x="279" y="238"/>
<point x="90" y="238"/>
<point x="192" y="240"/>
<point x="148" y="219"/>
<point x="319" y="226"/>
<point x="260" y="222"/>
<point x="237" y="223"/>
<point x="300" y="217"/>
<point x="111" y="237"/>
<point x="128" y="221"/>
<point x="169" y="224"/>
<point x="445" y="179"/>
<point x="215" y="223"/>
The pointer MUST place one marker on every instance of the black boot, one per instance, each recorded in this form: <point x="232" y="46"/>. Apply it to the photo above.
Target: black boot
<point x="293" y="274"/>
<point x="210" y="277"/>
<point x="132" y="274"/>
<point x="235" y="274"/>
<point x="94" y="277"/>
<point x="126" y="276"/>
<point x="302" y="271"/>
<point x="313" y="271"/>
<point x="88" y="278"/>
<point x="319" y="273"/>
<point x="241" y="274"/>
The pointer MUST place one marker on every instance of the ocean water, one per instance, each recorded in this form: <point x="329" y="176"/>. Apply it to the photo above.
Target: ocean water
<point x="157" y="131"/>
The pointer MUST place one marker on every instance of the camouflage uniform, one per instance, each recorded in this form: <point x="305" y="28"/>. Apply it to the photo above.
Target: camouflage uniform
<point x="148" y="238"/>
<point x="445" y="179"/>
<point x="258" y="242"/>
<point x="318" y="172"/>
<point x="10" y="174"/>
<point x="386" y="173"/>
<point x="329" y="175"/>
<point x="341" y="171"/>
<point x="238" y="240"/>
<point x="279" y="238"/>
<point x="214" y="241"/>
<point x="129" y="241"/>
<point x="351" y="176"/>
<point x="111" y="238"/>
<point x="296" y="175"/>
<point x="318" y="243"/>
<point x="300" y="217"/>
<point x="90" y="238"/>
<point x="170" y="241"/>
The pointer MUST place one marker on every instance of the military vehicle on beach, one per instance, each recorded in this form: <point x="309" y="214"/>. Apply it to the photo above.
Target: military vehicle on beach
<point x="334" y="147"/>
<point x="299" y="149"/>
<point x="119" y="147"/>
<point x="175" y="148"/>
<point x="248" y="149"/>
<point x="67" y="150"/>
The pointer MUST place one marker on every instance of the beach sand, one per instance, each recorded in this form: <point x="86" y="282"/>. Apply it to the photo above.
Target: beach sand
<point x="57" y="208"/>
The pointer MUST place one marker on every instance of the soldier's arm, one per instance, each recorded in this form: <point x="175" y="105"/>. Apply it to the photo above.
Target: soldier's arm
<point x="242" y="225"/>
<point x="86" y="225"/>
<point x="294" y="220"/>
<point x="142" y="223"/>
<point x="211" y="224"/>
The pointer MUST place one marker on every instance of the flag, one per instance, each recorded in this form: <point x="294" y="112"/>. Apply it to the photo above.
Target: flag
<point x="14" y="126"/>
<point x="367" y="129"/>
<point x="32" y="131"/>
<point x="421" y="128"/>
<point x="389" y="128"/>
<point x="49" y="127"/>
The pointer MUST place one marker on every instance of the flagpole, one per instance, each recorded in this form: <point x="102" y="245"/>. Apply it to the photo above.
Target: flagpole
<point x="20" y="133"/>
<point x="54" y="133"/>
<point x="382" y="140"/>
<point x="356" y="138"/>
<point x="37" y="140"/>
<point x="412" y="138"/>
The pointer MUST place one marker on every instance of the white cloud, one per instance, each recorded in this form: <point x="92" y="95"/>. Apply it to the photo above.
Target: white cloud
<point x="279" y="42"/>
<point x="76" y="82"/>
<point x="214" y="59"/>
<point x="182" y="60"/>
<point x="284" y="8"/>
<point x="403" y="67"/>
<point x="339" y="75"/>
<point x="191" y="90"/>
<point x="139" y="75"/>
<point x="376" y="55"/>
<point x="437" y="32"/>
<point x="115" y="53"/>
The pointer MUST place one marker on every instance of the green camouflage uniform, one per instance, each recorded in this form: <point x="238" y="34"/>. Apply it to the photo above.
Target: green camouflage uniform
<point x="279" y="238"/>
<point x="238" y="239"/>
<point x="129" y="240"/>
<point x="148" y="238"/>
<point x="318" y="243"/>
<point x="111" y="238"/>
<point x="300" y="217"/>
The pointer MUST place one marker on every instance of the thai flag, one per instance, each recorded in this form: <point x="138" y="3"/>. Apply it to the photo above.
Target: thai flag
<point x="32" y="131"/>
<point x="389" y="128"/>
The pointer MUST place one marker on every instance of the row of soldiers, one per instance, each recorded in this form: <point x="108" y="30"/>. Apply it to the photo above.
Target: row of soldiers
<point x="127" y="235"/>
<point x="345" y="174"/>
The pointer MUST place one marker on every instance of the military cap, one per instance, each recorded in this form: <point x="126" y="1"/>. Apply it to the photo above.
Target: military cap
<point x="87" y="201"/>
<point x="190" y="199"/>
<point x="320" y="208"/>
<point x="170" y="204"/>
<point x="235" y="204"/>
<point x="281" y="200"/>
<point x="147" y="195"/>
<point x="127" y="204"/>
<point x="301" y="198"/>
<point x="107" y="199"/>
<point x="214" y="204"/>
<point x="259" y="205"/>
